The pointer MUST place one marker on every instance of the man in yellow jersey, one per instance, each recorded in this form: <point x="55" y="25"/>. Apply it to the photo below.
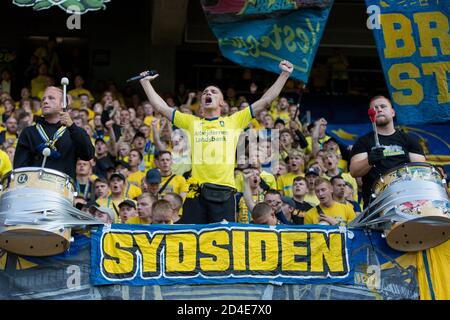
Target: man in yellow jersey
<point x="311" y="176"/>
<point x="328" y="212"/>
<point x="116" y="185"/>
<point x="296" y="169"/>
<point x="214" y="143"/>
<point x="5" y="163"/>
<point x="170" y="182"/>
<point x="330" y="161"/>
<point x="135" y="176"/>
<point x="339" y="189"/>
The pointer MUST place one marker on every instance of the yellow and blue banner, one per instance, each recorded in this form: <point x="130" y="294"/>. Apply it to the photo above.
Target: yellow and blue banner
<point x="259" y="34"/>
<point x="413" y="43"/>
<point x="228" y="253"/>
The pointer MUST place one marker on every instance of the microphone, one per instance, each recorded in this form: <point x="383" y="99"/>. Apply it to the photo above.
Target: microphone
<point x="139" y="77"/>
<point x="64" y="83"/>
<point x="372" y="115"/>
<point x="46" y="152"/>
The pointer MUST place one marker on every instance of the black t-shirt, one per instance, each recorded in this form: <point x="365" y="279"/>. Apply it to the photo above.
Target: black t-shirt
<point x="396" y="149"/>
<point x="300" y="209"/>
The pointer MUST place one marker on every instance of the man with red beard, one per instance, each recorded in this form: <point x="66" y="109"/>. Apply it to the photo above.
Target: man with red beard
<point x="370" y="161"/>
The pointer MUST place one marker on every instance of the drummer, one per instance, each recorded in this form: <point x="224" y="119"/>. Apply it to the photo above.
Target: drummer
<point x="55" y="130"/>
<point x="396" y="148"/>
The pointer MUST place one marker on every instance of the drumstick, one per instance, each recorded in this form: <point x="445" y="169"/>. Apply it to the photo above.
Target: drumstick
<point x="372" y="115"/>
<point x="46" y="152"/>
<point x="64" y="83"/>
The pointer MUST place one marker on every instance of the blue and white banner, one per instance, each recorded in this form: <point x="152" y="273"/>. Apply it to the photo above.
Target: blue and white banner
<point x="413" y="43"/>
<point x="259" y="34"/>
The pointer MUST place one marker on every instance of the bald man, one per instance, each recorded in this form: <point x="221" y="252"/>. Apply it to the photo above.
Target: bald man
<point x="55" y="130"/>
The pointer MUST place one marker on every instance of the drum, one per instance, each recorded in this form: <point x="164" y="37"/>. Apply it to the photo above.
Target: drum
<point x="40" y="178"/>
<point x="414" y="171"/>
<point x="33" y="204"/>
<point x="37" y="241"/>
<point x="411" y="206"/>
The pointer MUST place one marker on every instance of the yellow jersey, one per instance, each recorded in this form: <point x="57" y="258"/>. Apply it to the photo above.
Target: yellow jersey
<point x="132" y="191"/>
<point x="312" y="199"/>
<point x="112" y="204"/>
<point x="213" y="144"/>
<point x="5" y="163"/>
<point x="244" y="215"/>
<point x="177" y="185"/>
<point x="285" y="183"/>
<point x="136" y="178"/>
<point x="135" y="220"/>
<point x="339" y="211"/>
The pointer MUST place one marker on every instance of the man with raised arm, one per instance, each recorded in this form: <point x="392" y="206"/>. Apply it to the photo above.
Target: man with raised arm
<point x="214" y="142"/>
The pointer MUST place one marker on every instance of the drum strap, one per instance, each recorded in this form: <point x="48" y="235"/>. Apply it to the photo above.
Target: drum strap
<point x="50" y="143"/>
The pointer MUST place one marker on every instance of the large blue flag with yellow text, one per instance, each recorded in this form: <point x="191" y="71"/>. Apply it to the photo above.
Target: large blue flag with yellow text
<point x="261" y="33"/>
<point x="413" y="43"/>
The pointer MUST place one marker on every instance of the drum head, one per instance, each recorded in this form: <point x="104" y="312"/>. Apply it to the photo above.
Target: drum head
<point x="416" y="235"/>
<point x="35" y="242"/>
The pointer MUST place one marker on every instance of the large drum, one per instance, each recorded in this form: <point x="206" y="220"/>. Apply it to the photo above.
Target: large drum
<point x="410" y="204"/>
<point x="36" y="212"/>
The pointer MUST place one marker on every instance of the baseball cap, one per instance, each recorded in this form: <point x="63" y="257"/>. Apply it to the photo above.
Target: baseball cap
<point x="127" y="202"/>
<point x="118" y="175"/>
<point x="289" y="201"/>
<point x="99" y="139"/>
<point x="153" y="176"/>
<point x="312" y="171"/>
<point x="106" y="210"/>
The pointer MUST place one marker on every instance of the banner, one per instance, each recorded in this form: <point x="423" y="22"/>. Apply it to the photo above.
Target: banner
<point x="413" y="43"/>
<point x="378" y="273"/>
<point x="81" y="6"/>
<point x="259" y="34"/>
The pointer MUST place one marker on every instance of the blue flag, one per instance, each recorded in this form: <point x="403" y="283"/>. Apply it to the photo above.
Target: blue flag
<point x="413" y="43"/>
<point x="259" y="34"/>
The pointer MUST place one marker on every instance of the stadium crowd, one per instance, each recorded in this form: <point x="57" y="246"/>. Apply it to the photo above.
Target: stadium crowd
<point x="141" y="173"/>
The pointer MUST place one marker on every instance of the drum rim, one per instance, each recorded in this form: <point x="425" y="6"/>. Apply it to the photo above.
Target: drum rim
<point x="37" y="169"/>
<point x="423" y="164"/>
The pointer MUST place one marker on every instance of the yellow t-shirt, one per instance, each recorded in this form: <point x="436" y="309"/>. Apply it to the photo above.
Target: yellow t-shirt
<point x="177" y="185"/>
<point x="136" y="178"/>
<point x="256" y="125"/>
<point x="5" y="163"/>
<point x="132" y="191"/>
<point x="312" y="199"/>
<point x="112" y="204"/>
<point x="213" y="144"/>
<point x="285" y="182"/>
<point x="135" y="220"/>
<point x="244" y="215"/>
<point x="266" y="176"/>
<point x="283" y="115"/>
<point x="338" y="211"/>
